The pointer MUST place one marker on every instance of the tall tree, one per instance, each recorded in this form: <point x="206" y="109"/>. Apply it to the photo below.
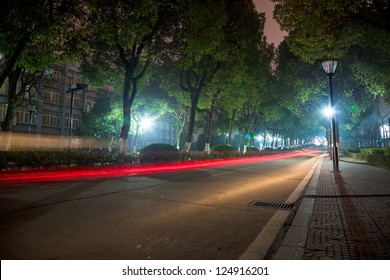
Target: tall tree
<point x="124" y="36"/>
<point x="246" y="64"/>
<point x="199" y="49"/>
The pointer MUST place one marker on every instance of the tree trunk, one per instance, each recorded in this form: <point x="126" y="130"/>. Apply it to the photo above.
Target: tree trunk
<point x="13" y="58"/>
<point x="126" y="113"/>
<point x="179" y="128"/>
<point x="12" y="98"/>
<point x="191" y="122"/>
<point x="229" y="140"/>
<point x="209" y="128"/>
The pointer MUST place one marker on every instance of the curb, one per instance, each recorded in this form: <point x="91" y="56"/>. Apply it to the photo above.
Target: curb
<point x="294" y="243"/>
<point x="260" y="247"/>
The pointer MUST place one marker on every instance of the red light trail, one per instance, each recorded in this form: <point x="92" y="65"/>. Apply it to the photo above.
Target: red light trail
<point x="80" y="173"/>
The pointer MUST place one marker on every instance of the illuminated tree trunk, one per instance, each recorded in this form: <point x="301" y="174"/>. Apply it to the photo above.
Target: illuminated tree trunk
<point x="191" y="122"/>
<point x="209" y="125"/>
<point x="179" y="128"/>
<point x="126" y="113"/>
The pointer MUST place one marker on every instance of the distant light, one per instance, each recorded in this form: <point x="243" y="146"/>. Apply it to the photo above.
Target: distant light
<point x="320" y="140"/>
<point x="385" y="131"/>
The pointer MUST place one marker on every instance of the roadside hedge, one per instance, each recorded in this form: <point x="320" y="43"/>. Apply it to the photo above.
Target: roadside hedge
<point x="150" y="154"/>
<point x="44" y="159"/>
<point x="374" y="156"/>
<point x="160" y="153"/>
<point x="222" y="147"/>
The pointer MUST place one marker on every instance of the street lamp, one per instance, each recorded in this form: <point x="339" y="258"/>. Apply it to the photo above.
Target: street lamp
<point x="72" y="88"/>
<point x="330" y="66"/>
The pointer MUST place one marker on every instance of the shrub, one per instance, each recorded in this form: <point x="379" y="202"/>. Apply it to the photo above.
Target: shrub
<point x="387" y="152"/>
<point x="354" y="150"/>
<point x="222" y="148"/>
<point x="373" y="151"/>
<point x="379" y="160"/>
<point x="159" y="153"/>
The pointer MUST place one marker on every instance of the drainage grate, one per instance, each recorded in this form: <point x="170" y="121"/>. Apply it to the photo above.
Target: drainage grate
<point x="274" y="205"/>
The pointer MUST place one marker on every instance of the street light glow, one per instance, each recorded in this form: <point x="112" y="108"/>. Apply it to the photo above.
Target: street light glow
<point x="146" y="123"/>
<point x="328" y="111"/>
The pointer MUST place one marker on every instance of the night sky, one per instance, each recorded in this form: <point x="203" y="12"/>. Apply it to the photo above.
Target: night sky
<point x="272" y="29"/>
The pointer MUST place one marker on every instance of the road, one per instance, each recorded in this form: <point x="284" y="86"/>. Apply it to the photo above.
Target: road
<point x="203" y="213"/>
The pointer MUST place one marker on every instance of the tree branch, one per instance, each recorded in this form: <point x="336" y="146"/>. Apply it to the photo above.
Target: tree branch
<point x="140" y="75"/>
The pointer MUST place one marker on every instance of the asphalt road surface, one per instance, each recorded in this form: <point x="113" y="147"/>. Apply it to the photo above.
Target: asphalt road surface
<point x="192" y="214"/>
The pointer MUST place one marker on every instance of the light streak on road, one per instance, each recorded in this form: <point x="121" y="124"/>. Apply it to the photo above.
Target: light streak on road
<point x="88" y="172"/>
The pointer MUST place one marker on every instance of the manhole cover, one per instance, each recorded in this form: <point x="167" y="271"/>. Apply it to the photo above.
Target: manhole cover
<point x="274" y="205"/>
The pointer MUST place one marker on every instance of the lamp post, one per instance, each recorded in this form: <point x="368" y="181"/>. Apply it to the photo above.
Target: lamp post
<point x="329" y="66"/>
<point x="72" y="88"/>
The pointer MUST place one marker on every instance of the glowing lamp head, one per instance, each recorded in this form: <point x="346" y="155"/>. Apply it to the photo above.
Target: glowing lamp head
<point x="329" y="66"/>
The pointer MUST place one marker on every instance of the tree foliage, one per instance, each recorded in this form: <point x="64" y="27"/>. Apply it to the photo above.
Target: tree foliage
<point x="322" y="28"/>
<point x="35" y="34"/>
<point x="103" y="121"/>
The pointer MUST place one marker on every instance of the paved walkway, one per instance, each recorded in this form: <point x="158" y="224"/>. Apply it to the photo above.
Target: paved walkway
<point x="342" y="216"/>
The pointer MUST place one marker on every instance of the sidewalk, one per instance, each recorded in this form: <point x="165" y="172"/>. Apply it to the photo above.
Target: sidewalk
<point x="341" y="216"/>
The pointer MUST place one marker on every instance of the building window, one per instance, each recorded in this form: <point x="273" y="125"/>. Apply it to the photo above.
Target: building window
<point x="77" y="101"/>
<point x="76" y="121"/>
<point x="73" y="77"/>
<point x="21" y="116"/>
<point x="55" y="98"/>
<point x="57" y="75"/>
<point x="50" y="118"/>
<point x="89" y="104"/>
<point x="50" y="96"/>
